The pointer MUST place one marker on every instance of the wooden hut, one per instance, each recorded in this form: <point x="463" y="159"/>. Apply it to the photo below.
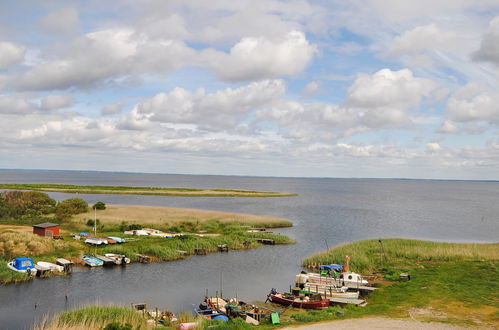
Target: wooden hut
<point x="47" y="229"/>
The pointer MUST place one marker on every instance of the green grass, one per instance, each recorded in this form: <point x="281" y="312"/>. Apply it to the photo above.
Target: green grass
<point x="371" y="255"/>
<point x="450" y="282"/>
<point x="95" y="317"/>
<point x="144" y="190"/>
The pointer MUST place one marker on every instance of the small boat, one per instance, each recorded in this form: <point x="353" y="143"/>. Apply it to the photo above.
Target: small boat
<point x="307" y="302"/>
<point x="119" y="259"/>
<point x="96" y="241"/>
<point x="92" y="261"/>
<point x="23" y="265"/>
<point x="50" y="266"/>
<point x="117" y="239"/>
<point x="207" y="311"/>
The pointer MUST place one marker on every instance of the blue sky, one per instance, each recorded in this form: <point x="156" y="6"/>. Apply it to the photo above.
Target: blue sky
<point x="375" y="88"/>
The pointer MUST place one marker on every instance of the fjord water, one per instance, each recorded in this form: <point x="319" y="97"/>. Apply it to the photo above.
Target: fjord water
<point x="326" y="212"/>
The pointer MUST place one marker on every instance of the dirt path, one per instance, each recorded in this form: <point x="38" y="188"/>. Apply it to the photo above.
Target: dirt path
<point x="376" y="323"/>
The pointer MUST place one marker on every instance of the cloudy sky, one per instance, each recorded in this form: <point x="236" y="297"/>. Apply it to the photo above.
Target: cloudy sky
<point x="371" y="88"/>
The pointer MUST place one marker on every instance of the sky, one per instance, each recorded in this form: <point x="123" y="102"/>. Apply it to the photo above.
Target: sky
<point x="359" y="88"/>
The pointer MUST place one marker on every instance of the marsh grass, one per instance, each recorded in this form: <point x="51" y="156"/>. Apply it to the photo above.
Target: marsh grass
<point x="371" y="255"/>
<point x="166" y="217"/>
<point x="145" y="190"/>
<point x="94" y="317"/>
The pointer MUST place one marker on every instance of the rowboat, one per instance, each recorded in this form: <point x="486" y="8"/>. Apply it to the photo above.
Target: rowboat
<point x="118" y="259"/>
<point x="208" y="311"/>
<point x="96" y="241"/>
<point x="23" y="265"/>
<point x="92" y="261"/>
<point x="117" y="239"/>
<point x="106" y="260"/>
<point x="49" y="266"/>
<point x="306" y="302"/>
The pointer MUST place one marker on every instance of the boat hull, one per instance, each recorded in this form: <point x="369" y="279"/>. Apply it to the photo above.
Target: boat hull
<point x="311" y="304"/>
<point x="31" y="271"/>
<point x="92" y="261"/>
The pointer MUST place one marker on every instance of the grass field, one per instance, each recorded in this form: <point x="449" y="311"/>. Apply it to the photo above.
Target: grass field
<point x="145" y="190"/>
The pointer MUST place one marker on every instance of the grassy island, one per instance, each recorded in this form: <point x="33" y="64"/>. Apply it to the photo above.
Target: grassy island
<point x="188" y="192"/>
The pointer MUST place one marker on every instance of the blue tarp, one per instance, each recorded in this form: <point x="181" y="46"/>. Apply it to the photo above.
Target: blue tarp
<point x="335" y="267"/>
<point x="23" y="263"/>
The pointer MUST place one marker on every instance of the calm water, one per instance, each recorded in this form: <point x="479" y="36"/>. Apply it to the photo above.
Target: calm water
<point x="326" y="212"/>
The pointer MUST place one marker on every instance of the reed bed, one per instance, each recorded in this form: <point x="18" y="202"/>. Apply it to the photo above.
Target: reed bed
<point x="168" y="216"/>
<point x="371" y="255"/>
<point x="94" y="317"/>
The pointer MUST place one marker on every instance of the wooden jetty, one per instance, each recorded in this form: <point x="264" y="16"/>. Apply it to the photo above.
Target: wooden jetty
<point x="223" y="248"/>
<point x="67" y="264"/>
<point x="143" y="258"/>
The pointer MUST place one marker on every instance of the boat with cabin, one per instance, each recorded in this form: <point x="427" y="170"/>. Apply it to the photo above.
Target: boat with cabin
<point x="23" y="265"/>
<point x="118" y="259"/>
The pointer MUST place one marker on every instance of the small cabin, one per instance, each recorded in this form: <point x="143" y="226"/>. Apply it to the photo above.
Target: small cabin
<point x="47" y="229"/>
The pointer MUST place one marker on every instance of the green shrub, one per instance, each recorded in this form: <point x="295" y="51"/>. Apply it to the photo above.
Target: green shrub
<point x="70" y="207"/>
<point x="99" y="206"/>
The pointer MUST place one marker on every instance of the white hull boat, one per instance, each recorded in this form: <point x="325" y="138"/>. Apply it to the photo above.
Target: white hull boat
<point x="31" y="271"/>
<point x="118" y="258"/>
<point x="49" y="266"/>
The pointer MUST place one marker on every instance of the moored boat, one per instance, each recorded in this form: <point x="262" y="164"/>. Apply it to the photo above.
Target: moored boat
<point x="331" y="291"/>
<point x="22" y="265"/>
<point x="305" y="301"/>
<point x="92" y="261"/>
<point x="118" y="259"/>
<point x="96" y="241"/>
<point x="117" y="239"/>
<point x="106" y="260"/>
<point x="50" y="266"/>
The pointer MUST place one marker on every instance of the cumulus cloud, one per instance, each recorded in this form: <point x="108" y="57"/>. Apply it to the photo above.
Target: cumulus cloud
<point x="312" y="89"/>
<point x="489" y="48"/>
<point x="57" y="101"/>
<point x="219" y="110"/>
<point x="10" y="54"/>
<point x="257" y="58"/>
<point x="472" y="103"/>
<point x="64" y="21"/>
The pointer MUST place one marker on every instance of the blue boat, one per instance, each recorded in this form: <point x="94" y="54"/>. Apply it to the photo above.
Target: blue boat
<point x="22" y="265"/>
<point x="92" y="261"/>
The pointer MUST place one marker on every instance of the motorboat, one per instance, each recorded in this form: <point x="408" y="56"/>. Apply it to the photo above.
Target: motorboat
<point x="313" y="301"/>
<point x="119" y="259"/>
<point x="23" y="265"/>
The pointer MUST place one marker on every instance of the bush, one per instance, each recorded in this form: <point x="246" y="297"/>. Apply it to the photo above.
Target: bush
<point x="19" y="203"/>
<point x="135" y="226"/>
<point x="91" y="222"/>
<point x="99" y="206"/>
<point x="70" y="207"/>
<point x="118" y="326"/>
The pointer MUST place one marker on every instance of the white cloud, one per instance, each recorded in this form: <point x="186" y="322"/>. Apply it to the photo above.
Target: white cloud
<point x="258" y="58"/>
<point x="220" y="110"/>
<point x="471" y="103"/>
<point x="312" y="89"/>
<point x="387" y="88"/>
<point x="489" y="48"/>
<point x="64" y="21"/>
<point x="10" y="54"/>
<point x="57" y="101"/>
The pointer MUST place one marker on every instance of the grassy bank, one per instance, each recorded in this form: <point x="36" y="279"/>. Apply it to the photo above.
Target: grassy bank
<point x="144" y="190"/>
<point x="450" y="282"/>
<point x="95" y="317"/>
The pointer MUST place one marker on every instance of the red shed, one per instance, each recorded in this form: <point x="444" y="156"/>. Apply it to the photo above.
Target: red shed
<point x="47" y="229"/>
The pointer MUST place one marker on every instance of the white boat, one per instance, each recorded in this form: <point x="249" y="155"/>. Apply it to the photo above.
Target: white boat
<point x="50" y="266"/>
<point x="118" y="258"/>
<point x="345" y="279"/>
<point x="95" y="241"/>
